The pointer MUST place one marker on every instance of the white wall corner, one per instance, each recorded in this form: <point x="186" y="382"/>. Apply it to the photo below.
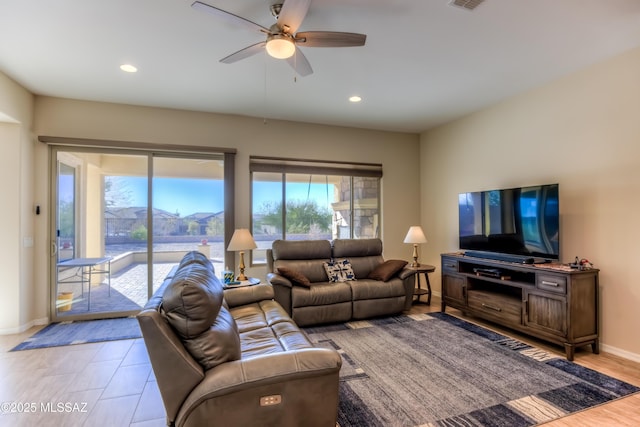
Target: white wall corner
<point x="22" y="328"/>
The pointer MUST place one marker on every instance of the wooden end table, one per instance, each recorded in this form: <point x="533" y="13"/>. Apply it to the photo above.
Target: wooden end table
<point x="423" y="269"/>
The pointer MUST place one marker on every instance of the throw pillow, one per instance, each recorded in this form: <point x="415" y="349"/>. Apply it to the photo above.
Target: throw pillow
<point x="339" y="270"/>
<point x="387" y="269"/>
<point x="295" y="276"/>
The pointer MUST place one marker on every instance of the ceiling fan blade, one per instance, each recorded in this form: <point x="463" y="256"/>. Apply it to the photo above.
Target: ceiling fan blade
<point x="229" y="17"/>
<point x="244" y="53"/>
<point x="292" y="14"/>
<point x="300" y="63"/>
<point x="329" y="39"/>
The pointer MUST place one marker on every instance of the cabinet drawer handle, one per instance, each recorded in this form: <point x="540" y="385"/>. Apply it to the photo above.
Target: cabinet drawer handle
<point x="490" y="307"/>
<point x="544" y="282"/>
<point x="450" y="265"/>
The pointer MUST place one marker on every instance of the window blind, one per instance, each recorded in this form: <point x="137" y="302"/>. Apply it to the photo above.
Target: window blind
<point x="314" y="167"/>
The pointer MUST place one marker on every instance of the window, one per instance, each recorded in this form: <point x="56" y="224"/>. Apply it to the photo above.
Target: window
<point x="305" y="200"/>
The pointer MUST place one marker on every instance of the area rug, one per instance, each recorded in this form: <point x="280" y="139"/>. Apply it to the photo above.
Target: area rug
<point x="437" y="370"/>
<point x="82" y="332"/>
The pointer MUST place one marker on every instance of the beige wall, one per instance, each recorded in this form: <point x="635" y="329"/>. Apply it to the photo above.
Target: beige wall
<point x="17" y="219"/>
<point x="582" y="131"/>
<point x="397" y="152"/>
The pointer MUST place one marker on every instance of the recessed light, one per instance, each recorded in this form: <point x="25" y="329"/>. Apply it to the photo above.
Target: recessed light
<point x="355" y="98"/>
<point x="128" y="68"/>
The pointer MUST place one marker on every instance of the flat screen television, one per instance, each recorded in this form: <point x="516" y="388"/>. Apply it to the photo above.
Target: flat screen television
<point x="522" y="222"/>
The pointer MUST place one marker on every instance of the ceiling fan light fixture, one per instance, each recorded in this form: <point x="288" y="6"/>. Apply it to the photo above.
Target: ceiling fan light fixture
<point x="280" y="46"/>
<point x="128" y="68"/>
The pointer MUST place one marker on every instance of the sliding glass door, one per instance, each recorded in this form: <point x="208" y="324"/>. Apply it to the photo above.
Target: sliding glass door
<point x="122" y="220"/>
<point x="188" y="210"/>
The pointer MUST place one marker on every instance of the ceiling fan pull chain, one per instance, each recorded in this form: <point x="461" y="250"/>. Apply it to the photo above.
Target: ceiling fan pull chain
<point x="264" y="103"/>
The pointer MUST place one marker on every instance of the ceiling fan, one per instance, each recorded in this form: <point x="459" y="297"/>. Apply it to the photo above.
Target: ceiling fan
<point x="282" y="39"/>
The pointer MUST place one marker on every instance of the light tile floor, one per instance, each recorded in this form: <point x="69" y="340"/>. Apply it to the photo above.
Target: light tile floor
<point x="112" y="384"/>
<point x="99" y="384"/>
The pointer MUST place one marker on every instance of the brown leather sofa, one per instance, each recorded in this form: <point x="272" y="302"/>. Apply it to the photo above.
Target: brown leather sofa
<point x="319" y="300"/>
<point x="234" y="357"/>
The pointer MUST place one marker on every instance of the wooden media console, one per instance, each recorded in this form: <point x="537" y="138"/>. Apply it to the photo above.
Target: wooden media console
<point x="548" y="301"/>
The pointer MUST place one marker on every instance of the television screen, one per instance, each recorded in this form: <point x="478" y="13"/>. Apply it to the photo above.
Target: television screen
<point x="517" y="221"/>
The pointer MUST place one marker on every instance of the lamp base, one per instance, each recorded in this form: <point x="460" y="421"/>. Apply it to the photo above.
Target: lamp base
<point x="241" y="277"/>
<point x="415" y="262"/>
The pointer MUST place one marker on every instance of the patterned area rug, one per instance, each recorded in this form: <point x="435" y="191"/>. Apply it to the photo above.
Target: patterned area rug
<point x="438" y="370"/>
<point x="81" y="332"/>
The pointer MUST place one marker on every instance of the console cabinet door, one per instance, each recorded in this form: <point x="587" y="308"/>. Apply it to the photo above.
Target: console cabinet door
<point x="453" y="290"/>
<point x="547" y="313"/>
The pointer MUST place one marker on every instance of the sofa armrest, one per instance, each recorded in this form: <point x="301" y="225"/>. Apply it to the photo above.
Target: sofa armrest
<point x="278" y="279"/>
<point x="282" y="290"/>
<point x="305" y="380"/>
<point x="406" y="272"/>
<point x="248" y="294"/>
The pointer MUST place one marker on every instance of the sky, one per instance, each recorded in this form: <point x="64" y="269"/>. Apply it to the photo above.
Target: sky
<point x="174" y="195"/>
<point x="188" y="196"/>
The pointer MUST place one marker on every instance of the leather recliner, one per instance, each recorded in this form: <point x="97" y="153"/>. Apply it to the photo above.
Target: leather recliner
<point x="234" y="357"/>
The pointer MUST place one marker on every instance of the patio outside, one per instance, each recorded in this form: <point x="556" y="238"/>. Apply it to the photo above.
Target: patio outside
<point x="128" y="281"/>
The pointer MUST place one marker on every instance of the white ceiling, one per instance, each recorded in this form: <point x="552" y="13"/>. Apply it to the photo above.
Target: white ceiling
<point x="425" y="62"/>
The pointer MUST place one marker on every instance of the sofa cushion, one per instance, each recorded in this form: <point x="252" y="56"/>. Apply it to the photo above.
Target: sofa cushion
<point x="296" y="277"/>
<point x="258" y="315"/>
<point x="219" y="344"/>
<point x="364" y="265"/>
<point x="265" y="328"/>
<point x="339" y="270"/>
<point x="344" y="248"/>
<point x="387" y="269"/>
<point x="323" y="293"/>
<point x="302" y="249"/>
<point x="192" y="300"/>
<point x="368" y="289"/>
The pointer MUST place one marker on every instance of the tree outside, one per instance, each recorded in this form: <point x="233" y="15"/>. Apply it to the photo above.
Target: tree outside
<point x="302" y="217"/>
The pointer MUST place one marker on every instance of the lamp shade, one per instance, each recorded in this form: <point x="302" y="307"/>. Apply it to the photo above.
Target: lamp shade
<point x="241" y="240"/>
<point x="280" y="46"/>
<point x="415" y="235"/>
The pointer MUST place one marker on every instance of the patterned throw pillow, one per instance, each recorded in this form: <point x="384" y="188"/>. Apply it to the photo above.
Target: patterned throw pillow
<point x="339" y="270"/>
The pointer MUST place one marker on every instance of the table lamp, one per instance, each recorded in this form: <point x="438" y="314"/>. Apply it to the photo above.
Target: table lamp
<point x="416" y="236"/>
<point x="241" y="241"/>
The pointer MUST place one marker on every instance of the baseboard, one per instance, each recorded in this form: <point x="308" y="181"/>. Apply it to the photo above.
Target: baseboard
<point x="25" y="327"/>
<point x="42" y="321"/>
<point x="619" y="352"/>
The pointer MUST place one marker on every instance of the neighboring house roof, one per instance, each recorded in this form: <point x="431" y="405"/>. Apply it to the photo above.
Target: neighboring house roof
<point x="134" y="212"/>
<point x="204" y="216"/>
